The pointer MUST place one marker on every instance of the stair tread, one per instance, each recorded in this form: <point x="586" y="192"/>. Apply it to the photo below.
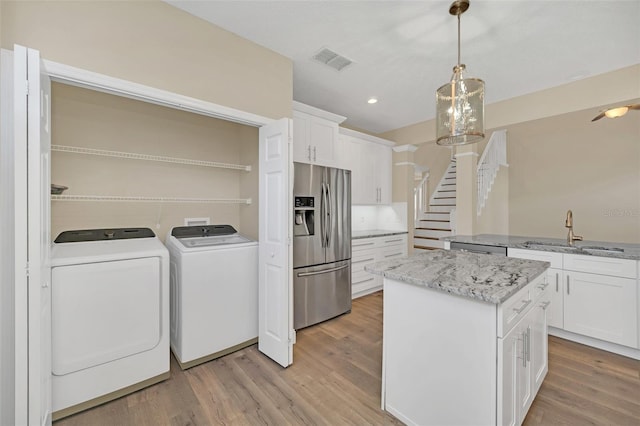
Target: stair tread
<point x="446" y="190"/>
<point x="425" y="248"/>
<point x="444" y="205"/>
<point x="435" y="213"/>
<point x="432" y="229"/>
<point x="448" y="184"/>
<point x="427" y="238"/>
<point x="433" y="220"/>
<point x="444" y="198"/>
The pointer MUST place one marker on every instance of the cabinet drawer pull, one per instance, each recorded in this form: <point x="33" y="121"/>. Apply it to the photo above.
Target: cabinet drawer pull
<point x="394" y="254"/>
<point x="545" y="305"/>
<point x="363" y="260"/>
<point x="314" y="153"/>
<point x="393" y="241"/>
<point x="363" y="281"/>
<point x="557" y="280"/>
<point x="543" y="286"/>
<point x="362" y="245"/>
<point x="523" y="307"/>
<point x="568" y="285"/>
<point x="309" y="152"/>
<point x="528" y="344"/>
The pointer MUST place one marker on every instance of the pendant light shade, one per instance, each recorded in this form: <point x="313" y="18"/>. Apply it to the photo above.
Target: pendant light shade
<point x="460" y="103"/>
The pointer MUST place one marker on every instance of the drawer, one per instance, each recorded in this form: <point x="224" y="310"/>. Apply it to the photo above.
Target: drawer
<point x="546" y="256"/>
<point x="393" y="240"/>
<point x="600" y="265"/>
<point x="393" y="252"/>
<point x="539" y="288"/>
<point x="362" y="244"/>
<point x="362" y="276"/>
<point x="517" y="306"/>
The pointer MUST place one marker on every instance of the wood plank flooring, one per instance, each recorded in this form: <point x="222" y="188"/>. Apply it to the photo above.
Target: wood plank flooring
<point x="335" y="380"/>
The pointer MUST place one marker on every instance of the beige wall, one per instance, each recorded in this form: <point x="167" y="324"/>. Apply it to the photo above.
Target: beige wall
<point x="577" y="167"/>
<point x="152" y="43"/>
<point x="568" y="162"/>
<point x="86" y="118"/>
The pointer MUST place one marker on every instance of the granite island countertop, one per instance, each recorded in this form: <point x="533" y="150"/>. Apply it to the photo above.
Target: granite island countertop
<point x="370" y="233"/>
<point x="483" y="277"/>
<point x="557" y="245"/>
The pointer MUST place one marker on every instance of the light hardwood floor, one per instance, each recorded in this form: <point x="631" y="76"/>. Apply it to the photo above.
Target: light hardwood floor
<point x="335" y="380"/>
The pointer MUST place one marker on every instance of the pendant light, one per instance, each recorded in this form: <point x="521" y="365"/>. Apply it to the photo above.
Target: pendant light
<point x="460" y="103"/>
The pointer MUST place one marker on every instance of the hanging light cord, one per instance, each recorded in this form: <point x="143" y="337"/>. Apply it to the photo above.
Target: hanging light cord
<point x="459" y="38"/>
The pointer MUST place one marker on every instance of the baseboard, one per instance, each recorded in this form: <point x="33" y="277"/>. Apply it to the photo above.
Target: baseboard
<point x="596" y="343"/>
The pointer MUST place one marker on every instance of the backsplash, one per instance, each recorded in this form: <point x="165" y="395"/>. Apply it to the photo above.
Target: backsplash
<point x="389" y="217"/>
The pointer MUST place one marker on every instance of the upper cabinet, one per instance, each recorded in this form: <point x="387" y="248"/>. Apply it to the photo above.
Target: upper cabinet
<point x="315" y="135"/>
<point x="369" y="158"/>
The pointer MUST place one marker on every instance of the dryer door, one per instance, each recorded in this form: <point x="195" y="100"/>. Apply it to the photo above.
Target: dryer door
<point x="104" y="311"/>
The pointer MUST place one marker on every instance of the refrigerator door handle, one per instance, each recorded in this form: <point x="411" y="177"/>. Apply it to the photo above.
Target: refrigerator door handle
<point x="329" y="216"/>
<point x="324" y="271"/>
<point x="323" y="213"/>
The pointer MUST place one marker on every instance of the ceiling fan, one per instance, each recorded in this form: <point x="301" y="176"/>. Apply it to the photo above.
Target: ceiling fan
<point x="616" y="112"/>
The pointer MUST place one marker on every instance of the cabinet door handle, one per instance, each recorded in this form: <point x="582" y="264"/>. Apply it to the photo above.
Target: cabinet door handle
<point x="568" y="285"/>
<point x="524" y="348"/>
<point x="528" y="344"/>
<point x="314" y="153"/>
<point x="557" y="280"/>
<point x="309" y="152"/>
<point x="523" y="307"/>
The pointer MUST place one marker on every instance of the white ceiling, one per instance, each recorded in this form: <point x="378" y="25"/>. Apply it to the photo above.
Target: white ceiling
<point x="404" y="50"/>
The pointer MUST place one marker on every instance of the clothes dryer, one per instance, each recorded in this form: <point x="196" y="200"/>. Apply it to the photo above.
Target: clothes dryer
<point x="214" y="292"/>
<point x="110" y="316"/>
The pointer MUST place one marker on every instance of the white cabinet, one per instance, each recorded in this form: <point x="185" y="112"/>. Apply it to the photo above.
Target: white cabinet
<point x="365" y="251"/>
<point x="315" y="135"/>
<point x="602" y="307"/>
<point x="460" y="361"/>
<point x="370" y="160"/>
<point x="522" y="353"/>
<point x="592" y="296"/>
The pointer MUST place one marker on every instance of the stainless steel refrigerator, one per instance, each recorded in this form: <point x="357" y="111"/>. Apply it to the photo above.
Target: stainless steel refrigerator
<point x="321" y="243"/>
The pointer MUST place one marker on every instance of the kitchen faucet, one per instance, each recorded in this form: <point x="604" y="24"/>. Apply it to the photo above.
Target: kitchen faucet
<point x="571" y="237"/>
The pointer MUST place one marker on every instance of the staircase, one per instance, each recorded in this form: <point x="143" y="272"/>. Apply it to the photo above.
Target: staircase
<point x="435" y="223"/>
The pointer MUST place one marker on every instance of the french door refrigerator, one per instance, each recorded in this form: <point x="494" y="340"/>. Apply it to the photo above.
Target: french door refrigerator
<point x="321" y="243"/>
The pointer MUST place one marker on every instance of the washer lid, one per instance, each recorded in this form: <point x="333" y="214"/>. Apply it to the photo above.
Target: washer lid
<point x="103" y="234"/>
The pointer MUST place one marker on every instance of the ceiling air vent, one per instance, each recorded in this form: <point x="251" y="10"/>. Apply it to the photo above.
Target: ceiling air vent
<point x="332" y="59"/>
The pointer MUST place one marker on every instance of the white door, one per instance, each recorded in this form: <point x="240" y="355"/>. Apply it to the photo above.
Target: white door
<point x="32" y="94"/>
<point x="276" y="335"/>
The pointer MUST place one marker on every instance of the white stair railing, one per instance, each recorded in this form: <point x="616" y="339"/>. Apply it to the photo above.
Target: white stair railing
<point x="420" y="193"/>
<point x="494" y="156"/>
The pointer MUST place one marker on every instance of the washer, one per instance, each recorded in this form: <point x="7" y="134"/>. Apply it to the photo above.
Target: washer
<point x="214" y="292"/>
<point x="110" y="316"/>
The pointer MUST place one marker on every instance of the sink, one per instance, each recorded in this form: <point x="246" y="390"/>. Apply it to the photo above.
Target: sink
<point x="548" y="246"/>
<point x="602" y="249"/>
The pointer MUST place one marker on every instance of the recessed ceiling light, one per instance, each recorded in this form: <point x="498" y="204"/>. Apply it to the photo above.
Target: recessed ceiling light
<point x="372" y="100"/>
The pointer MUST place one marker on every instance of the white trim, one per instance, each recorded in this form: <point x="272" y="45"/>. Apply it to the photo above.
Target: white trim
<point x="405" y="148"/>
<point x="364" y="136"/>
<point x="308" y="109"/>
<point x="405" y="163"/>
<point x="467" y="154"/>
<point x="103" y="83"/>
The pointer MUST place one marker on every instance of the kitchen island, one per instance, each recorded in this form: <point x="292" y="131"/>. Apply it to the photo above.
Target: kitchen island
<point x="464" y="337"/>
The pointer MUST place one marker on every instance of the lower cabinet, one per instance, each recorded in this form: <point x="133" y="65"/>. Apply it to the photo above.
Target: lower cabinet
<point x="523" y="362"/>
<point x="459" y="361"/>
<point x="365" y="251"/>
<point x="592" y="296"/>
<point x="601" y="306"/>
